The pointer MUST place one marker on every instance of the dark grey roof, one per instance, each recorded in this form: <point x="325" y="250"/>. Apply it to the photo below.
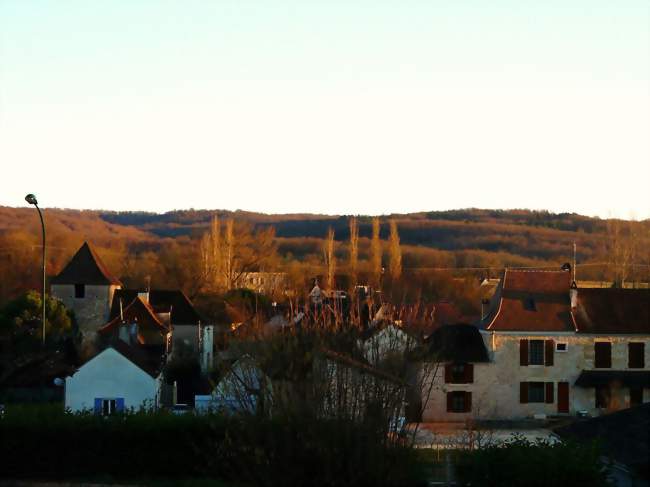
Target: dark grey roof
<point x="162" y="301"/>
<point x="149" y="359"/>
<point x="628" y="378"/>
<point x="457" y="343"/>
<point x="611" y="311"/>
<point x="624" y="434"/>
<point x="85" y="267"/>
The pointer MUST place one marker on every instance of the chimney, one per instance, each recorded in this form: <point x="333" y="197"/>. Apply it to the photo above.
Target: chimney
<point x="573" y="295"/>
<point x="484" y="307"/>
<point x="123" y="333"/>
<point x="133" y="333"/>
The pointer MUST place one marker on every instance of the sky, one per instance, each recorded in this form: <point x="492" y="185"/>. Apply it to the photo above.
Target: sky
<point x="339" y="107"/>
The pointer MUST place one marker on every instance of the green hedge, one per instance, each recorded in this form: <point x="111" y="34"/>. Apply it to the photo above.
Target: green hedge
<point x="520" y="462"/>
<point x="40" y="442"/>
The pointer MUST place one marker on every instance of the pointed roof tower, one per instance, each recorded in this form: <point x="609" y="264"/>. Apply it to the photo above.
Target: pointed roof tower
<point x="85" y="268"/>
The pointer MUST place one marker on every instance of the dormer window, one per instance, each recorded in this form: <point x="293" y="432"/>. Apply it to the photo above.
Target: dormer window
<point x="79" y="291"/>
<point x="529" y="304"/>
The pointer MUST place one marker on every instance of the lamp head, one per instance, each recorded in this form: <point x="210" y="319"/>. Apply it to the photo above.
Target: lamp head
<point x="31" y="199"/>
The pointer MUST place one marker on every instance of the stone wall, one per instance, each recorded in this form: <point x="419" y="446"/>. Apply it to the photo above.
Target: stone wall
<point x="496" y="387"/>
<point x="92" y="311"/>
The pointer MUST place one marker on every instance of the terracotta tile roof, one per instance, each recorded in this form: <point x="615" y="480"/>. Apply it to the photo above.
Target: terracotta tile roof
<point x="139" y="311"/>
<point x="162" y="301"/>
<point x="536" y="281"/>
<point x="85" y="267"/>
<point x="613" y="311"/>
<point x="534" y="301"/>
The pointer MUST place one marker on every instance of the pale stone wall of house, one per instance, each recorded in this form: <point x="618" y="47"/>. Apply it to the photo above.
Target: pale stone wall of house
<point x="93" y="310"/>
<point x="185" y="336"/>
<point x="495" y="391"/>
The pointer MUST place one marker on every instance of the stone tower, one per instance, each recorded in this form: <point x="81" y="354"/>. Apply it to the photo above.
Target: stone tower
<point x="86" y="287"/>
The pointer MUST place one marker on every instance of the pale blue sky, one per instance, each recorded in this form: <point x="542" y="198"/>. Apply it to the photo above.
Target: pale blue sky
<point x="332" y="107"/>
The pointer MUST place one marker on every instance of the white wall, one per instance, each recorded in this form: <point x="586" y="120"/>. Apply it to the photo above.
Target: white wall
<point x="110" y="375"/>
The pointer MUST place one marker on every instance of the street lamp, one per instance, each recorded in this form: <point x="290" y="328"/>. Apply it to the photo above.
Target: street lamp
<point x="31" y="199"/>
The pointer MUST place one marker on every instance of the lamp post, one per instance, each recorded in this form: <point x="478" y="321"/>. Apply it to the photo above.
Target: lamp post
<point x="31" y="199"/>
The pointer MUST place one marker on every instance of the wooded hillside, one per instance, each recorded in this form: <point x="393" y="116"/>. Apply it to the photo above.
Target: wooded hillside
<point x="164" y="247"/>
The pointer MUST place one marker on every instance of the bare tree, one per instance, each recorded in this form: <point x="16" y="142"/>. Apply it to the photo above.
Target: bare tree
<point x="395" y="263"/>
<point x="330" y="258"/>
<point x="354" y="249"/>
<point x="225" y="258"/>
<point x="375" y="252"/>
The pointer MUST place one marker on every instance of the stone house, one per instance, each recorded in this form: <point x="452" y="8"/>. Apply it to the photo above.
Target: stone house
<point x="172" y="308"/>
<point x="86" y="287"/>
<point x="384" y="339"/>
<point x="555" y="349"/>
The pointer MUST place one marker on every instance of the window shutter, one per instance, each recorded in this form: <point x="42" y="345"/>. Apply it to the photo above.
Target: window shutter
<point x="635" y="355"/>
<point x="469" y="373"/>
<point x="98" y="405"/>
<point x="523" y="392"/>
<point x="449" y="402"/>
<point x="548" y="353"/>
<point x="468" y="402"/>
<point x="448" y="377"/>
<point x="119" y="404"/>
<point x="523" y="352"/>
<point x="549" y="393"/>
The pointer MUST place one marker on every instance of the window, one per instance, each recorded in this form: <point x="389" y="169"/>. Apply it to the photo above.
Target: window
<point x="561" y="347"/>
<point x="536" y="352"/>
<point x="603" y="352"/>
<point x="79" y="291"/>
<point x="108" y="407"/>
<point x="636" y="396"/>
<point x="536" y="392"/>
<point x="603" y="395"/>
<point x="459" y="402"/>
<point x="459" y="373"/>
<point x="529" y="304"/>
<point x="635" y="353"/>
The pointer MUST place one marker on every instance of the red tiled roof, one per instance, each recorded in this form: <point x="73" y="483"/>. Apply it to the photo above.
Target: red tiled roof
<point x="533" y="301"/>
<point x="535" y="281"/>
<point x="85" y="267"/>
<point x="613" y="311"/>
<point x="137" y="311"/>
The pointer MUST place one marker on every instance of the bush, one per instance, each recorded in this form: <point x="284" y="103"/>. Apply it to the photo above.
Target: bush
<point x="520" y="462"/>
<point x="42" y="442"/>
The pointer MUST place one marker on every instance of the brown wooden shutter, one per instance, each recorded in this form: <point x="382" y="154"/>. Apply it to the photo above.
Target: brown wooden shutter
<point x="450" y="402"/>
<point x="469" y="373"/>
<point x="448" y="377"/>
<point x="635" y="354"/>
<point x="549" y="346"/>
<point x="523" y="352"/>
<point x="549" y="393"/>
<point x="523" y="392"/>
<point x="603" y="352"/>
<point x="468" y="402"/>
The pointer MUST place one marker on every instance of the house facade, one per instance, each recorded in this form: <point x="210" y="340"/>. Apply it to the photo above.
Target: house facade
<point x="555" y="349"/>
<point x="118" y="379"/>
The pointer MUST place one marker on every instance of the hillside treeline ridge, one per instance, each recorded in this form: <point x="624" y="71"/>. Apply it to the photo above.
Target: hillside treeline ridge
<point x="163" y="248"/>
